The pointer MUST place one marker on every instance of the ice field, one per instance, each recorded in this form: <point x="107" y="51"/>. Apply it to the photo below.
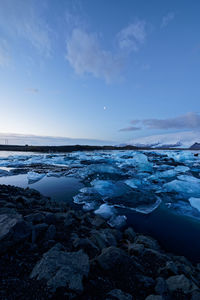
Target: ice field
<point x="137" y="181"/>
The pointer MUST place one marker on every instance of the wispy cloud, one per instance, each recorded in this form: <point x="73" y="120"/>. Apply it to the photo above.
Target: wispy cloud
<point x="188" y="121"/>
<point x="130" y="128"/>
<point x="167" y="19"/>
<point x="85" y="55"/>
<point x="132" y="37"/>
<point x="23" y="19"/>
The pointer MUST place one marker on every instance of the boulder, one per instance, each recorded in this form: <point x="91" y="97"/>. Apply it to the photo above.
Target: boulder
<point x="130" y="234"/>
<point x="179" y="283"/>
<point x="98" y="221"/>
<point x="135" y="249"/>
<point x="148" y="242"/>
<point x="51" y="232"/>
<point x="153" y="260"/>
<point x="8" y="223"/>
<point x="62" y="269"/>
<point x="103" y="238"/>
<point x="35" y="218"/>
<point x="161" y="286"/>
<point x="112" y="257"/>
<point x="154" y="297"/>
<point x="13" y="230"/>
<point x="195" y="295"/>
<point x="88" y="246"/>
<point x="69" y="219"/>
<point x="169" y="269"/>
<point x="145" y="282"/>
<point x="21" y="231"/>
<point x="40" y="230"/>
<point x="50" y="218"/>
<point x="118" y="295"/>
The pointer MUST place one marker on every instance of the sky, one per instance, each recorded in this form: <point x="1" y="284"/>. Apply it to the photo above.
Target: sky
<point x="106" y="70"/>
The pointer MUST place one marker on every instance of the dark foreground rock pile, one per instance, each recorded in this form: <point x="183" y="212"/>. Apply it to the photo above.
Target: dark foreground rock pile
<point x="53" y="252"/>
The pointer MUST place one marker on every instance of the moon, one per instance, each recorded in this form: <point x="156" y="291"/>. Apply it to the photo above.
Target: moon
<point x="104" y="108"/>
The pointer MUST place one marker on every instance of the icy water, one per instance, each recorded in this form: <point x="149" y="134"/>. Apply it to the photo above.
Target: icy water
<point x="158" y="192"/>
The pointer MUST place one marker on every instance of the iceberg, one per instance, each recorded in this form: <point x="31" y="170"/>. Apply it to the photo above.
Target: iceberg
<point x="181" y="169"/>
<point x="165" y="174"/>
<point x="186" y="188"/>
<point x="133" y="183"/>
<point x="33" y="177"/>
<point x="90" y="206"/>
<point x="117" y="221"/>
<point x="88" y="198"/>
<point x="195" y="202"/>
<point x="189" y="178"/>
<point x="147" y="209"/>
<point x="110" y="189"/>
<point x="139" y="161"/>
<point x="105" y="211"/>
<point x="103" y="170"/>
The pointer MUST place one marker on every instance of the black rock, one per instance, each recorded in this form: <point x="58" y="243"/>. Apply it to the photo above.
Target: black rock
<point x="62" y="269"/>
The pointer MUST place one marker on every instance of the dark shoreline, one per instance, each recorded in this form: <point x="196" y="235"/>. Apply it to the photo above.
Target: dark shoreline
<point x="51" y="251"/>
<point x="72" y="148"/>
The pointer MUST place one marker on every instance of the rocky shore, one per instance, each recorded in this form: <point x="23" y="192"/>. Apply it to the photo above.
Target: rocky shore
<point x="49" y="251"/>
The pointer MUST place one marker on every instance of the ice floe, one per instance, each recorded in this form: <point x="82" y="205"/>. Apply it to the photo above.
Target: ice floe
<point x="117" y="221"/>
<point x="186" y="188"/>
<point x="195" y="202"/>
<point x="106" y="211"/>
<point x="33" y="177"/>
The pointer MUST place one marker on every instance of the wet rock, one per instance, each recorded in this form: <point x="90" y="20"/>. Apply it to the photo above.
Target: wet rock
<point x="98" y="221"/>
<point x="88" y="246"/>
<point x="7" y="224"/>
<point x="51" y="232"/>
<point x="195" y="295"/>
<point x="103" y="238"/>
<point x="69" y="219"/>
<point x="179" y="283"/>
<point x="39" y="230"/>
<point x="148" y="242"/>
<point x="155" y="297"/>
<point x="50" y="218"/>
<point x="35" y="218"/>
<point x="135" y="249"/>
<point x="130" y="234"/>
<point x="146" y="282"/>
<point x="21" y="231"/>
<point x="62" y="269"/>
<point x="111" y="257"/>
<point x="13" y="230"/>
<point x="161" y="286"/>
<point x="153" y="260"/>
<point x="118" y="295"/>
<point x="8" y="210"/>
<point x="169" y="269"/>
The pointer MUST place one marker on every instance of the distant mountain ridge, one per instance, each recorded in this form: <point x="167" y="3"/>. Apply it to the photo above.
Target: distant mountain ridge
<point x="195" y="146"/>
<point x="184" y="139"/>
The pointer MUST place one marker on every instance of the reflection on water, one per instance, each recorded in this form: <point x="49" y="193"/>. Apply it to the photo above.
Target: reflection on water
<point x="176" y="233"/>
<point x="61" y="189"/>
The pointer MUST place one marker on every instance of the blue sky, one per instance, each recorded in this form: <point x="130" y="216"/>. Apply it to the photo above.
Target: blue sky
<point x="105" y="70"/>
